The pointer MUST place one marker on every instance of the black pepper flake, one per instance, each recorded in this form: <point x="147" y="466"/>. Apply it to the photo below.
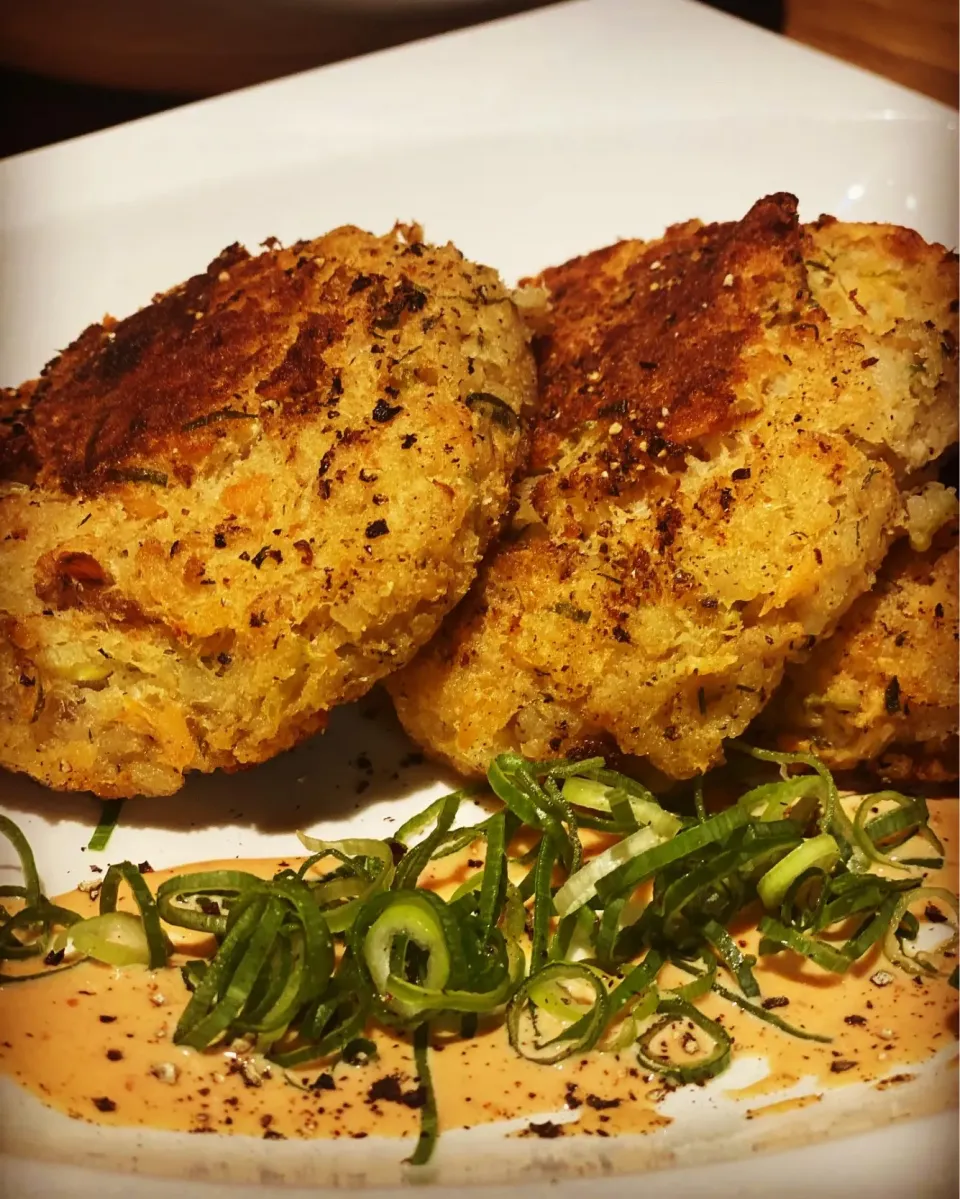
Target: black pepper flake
<point x="601" y="1105"/>
<point x="855" y="1020"/>
<point x="54" y="957"/>
<point x="474" y="863"/>
<point x="742" y="472"/>
<point x="891" y="696"/>
<point x="841" y="1065"/>
<point x="709" y="602"/>
<point x="102" y="1103"/>
<point x="869" y="362"/>
<point x="220" y="540"/>
<point x="107" y="1019"/>
<point x="547" y="1130"/>
<point x="775" y="1001"/>
<point x="272" y="1135"/>
<point x="934" y="915"/>
<point x="323" y="1082"/>
<point x="376" y="528"/>
<point x="384" y="412"/>
<point x="621" y="634"/>
<point x="409" y="440"/>
<point x="145" y="868"/>
<point x="416" y="1098"/>
<point x="263" y="554"/>
<point x="389" y="1090"/>
<point x="114" y="1055"/>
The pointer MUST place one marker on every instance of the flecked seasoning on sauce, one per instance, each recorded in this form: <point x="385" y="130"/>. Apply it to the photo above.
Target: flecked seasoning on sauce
<point x="96" y="1043"/>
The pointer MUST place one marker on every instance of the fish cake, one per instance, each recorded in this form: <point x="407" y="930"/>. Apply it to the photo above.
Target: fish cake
<point x="882" y="692"/>
<point x="247" y="503"/>
<point x="715" y="478"/>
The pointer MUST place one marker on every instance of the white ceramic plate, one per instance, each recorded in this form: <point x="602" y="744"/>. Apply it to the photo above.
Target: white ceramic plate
<point x="525" y="142"/>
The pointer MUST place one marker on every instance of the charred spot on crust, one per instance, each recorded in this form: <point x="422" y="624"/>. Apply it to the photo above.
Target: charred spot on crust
<point x="123" y="393"/>
<point x="891" y="696"/>
<point x="304" y="366"/>
<point x="406" y="297"/>
<point x="383" y="412"/>
<point x="651" y="334"/>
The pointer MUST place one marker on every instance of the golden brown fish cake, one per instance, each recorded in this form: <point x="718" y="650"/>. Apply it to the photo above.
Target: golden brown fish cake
<point x="883" y="690"/>
<point x="892" y="298"/>
<point x="247" y="503"/>
<point x="710" y="489"/>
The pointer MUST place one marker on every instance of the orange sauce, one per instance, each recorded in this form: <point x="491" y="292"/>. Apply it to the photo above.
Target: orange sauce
<point x="96" y="1043"/>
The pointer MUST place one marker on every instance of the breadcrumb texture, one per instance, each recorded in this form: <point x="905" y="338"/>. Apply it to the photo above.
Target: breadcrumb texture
<point x="247" y="503"/>
<point x="883" y="690"/>
<point x="730" y="414"/>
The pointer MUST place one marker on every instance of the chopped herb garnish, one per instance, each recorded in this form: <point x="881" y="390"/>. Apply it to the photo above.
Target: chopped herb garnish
<point x="137" y="474"/>
<point x="591" y="974"/>
<point x="109" y="816"/>
<point x="498" y="410"/>
<point x="572" y="612"/>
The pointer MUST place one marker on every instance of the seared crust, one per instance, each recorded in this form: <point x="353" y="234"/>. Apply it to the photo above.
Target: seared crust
<point x="883" y="690"/>
<point x="715" y="480"/>
<point x="637" y="328"/>
<point x="248" y="502"/>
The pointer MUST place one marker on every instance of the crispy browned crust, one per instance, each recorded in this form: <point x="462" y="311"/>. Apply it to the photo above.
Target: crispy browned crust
<point x="636" y="329"/>
<point x="246" y="503"/>
<point x="715" y="479"/>
<point x="126" y="394"/>
<point x="883" y="691"/>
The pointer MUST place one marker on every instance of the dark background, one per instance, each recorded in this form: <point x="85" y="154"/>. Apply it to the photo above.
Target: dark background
<point x="37" y="110"/>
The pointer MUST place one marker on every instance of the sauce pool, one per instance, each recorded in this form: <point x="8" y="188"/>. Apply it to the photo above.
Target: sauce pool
<point x="96" y="1043"/>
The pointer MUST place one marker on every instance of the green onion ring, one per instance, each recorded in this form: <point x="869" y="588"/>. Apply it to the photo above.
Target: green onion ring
<point x="595" y="1021"/>
<point x="678" y="1011"/>
<point x="920" y="962"/>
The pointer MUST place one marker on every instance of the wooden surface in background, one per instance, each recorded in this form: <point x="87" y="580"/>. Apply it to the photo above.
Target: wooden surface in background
<point x="911" y="41"/>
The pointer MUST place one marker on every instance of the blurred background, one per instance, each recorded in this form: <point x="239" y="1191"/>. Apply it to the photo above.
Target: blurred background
<point x="69" y="67"/>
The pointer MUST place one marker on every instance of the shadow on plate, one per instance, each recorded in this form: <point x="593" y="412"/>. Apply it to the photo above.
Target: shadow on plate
<point x="363" y="758"/>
